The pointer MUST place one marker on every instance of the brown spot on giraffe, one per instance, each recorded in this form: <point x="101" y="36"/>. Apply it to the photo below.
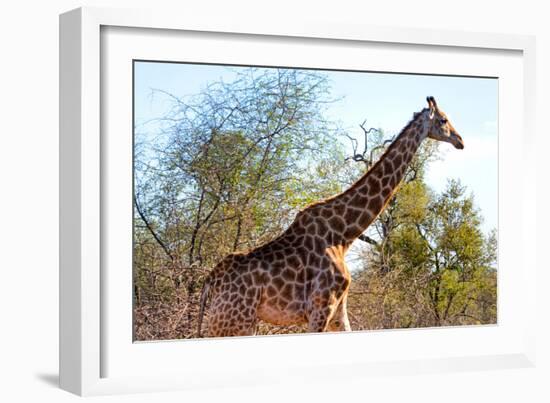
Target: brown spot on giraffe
<point x="398" y="160"/>
<point x="375" y="204"/>
<point x="359" y="200"/>
<point x="352" y="214"/>
<point x="301" y="276"/>
<point x="337" y="224"/>
<point x="373" y="185"/>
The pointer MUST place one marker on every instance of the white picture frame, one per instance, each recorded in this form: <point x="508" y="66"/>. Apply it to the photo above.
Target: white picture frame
<point x="85" y="345"/>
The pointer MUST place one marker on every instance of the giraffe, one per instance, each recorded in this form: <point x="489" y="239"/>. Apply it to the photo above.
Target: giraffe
<point x="301" y="276"/>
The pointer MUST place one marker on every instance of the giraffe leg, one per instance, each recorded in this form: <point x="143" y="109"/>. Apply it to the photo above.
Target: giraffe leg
<point x="319" y="319"/>
<point x="340" y="321"/>
<point x="321" y="312"/>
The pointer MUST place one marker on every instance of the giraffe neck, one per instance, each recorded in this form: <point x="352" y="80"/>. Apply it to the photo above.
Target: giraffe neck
<point x="358" y="206"/>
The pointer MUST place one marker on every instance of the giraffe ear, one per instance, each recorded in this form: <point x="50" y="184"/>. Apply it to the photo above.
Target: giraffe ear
<point x="432" y="105"/>
<point x="431" y="102"/>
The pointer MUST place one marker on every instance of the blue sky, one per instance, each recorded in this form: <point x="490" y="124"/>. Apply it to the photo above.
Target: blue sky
<point x="386" y="101"/>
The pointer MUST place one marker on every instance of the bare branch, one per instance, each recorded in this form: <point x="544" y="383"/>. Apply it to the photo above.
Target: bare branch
<point x="152" y="231"/>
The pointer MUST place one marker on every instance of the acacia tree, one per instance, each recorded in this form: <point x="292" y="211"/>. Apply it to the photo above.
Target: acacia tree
<point x="227" y="172"/>
<point x="461" y="260"/>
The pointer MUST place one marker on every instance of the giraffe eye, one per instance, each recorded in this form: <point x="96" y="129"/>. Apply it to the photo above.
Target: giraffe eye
<point x="443" y="121"/>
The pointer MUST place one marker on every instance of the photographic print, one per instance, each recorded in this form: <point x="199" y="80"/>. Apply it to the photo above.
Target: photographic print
<point x="271" y="200"/>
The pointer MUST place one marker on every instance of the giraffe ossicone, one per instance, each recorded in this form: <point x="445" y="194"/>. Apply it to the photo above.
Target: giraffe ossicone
<point x="301" y="276"/>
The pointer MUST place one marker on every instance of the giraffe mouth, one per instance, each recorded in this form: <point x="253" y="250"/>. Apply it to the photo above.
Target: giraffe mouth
<point x="457" y="141"/>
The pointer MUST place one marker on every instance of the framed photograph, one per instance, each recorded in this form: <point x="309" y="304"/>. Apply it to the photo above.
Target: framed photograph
<point x="243" y="202"/>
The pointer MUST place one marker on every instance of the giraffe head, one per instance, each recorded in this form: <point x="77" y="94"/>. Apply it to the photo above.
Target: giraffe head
<point x="438" y="126"/>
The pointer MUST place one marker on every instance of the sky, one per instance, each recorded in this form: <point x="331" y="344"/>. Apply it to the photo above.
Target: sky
<point x="385" y="101"/>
